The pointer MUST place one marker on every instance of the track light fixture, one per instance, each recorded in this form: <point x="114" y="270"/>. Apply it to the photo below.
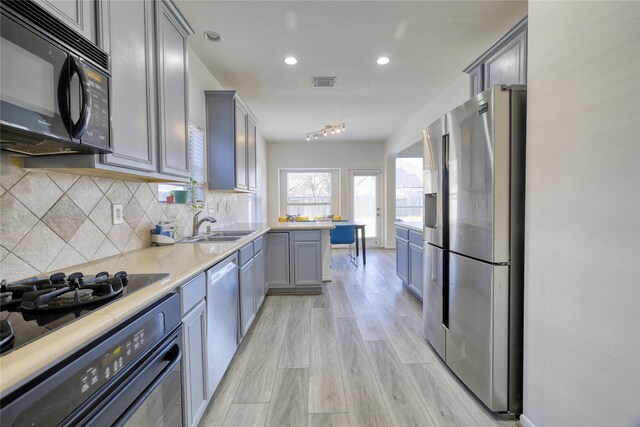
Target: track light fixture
<point x="333" y="129"/>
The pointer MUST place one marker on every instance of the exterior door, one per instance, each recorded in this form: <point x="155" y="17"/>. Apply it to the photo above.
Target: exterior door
<point x="366" y="199"/>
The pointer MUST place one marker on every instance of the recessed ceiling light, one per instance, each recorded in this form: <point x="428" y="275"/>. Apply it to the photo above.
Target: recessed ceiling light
<point x="290" y="60"/>
<point x="213" y="36"/>
<point x="383" y="60"/>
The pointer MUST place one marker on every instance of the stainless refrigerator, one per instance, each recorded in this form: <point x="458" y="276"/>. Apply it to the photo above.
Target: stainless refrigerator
<point x="473" y="249"/>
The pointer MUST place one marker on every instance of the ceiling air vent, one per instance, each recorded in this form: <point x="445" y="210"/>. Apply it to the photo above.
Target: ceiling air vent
<point x="323" y="81"/>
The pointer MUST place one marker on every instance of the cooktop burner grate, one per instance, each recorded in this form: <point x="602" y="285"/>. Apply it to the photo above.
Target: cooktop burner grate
<point x="33" y="307"/>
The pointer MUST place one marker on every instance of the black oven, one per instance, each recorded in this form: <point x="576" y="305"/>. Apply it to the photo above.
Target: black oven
<point x="129" y="376"/>
<point x="54" y="91"/>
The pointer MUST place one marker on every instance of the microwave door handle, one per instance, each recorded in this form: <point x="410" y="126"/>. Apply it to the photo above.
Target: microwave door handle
<point x="78" y="128"/>
<point x="64" y="95"/>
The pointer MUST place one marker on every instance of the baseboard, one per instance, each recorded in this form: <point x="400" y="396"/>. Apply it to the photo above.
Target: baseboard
<point x="525" y="421"/>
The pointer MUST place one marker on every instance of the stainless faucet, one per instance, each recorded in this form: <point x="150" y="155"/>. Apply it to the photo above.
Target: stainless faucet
<point x="197" y="223"/>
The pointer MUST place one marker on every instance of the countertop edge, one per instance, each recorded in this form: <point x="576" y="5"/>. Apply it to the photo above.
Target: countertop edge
<point x="30" y="360"/>
<point x="409" y="226"/>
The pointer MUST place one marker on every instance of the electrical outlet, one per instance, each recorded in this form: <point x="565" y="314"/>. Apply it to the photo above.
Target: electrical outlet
<point x="116" y="214"/>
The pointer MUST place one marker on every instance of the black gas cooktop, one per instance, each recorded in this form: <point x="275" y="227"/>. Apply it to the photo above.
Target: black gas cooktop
<point x="36" y="306"/>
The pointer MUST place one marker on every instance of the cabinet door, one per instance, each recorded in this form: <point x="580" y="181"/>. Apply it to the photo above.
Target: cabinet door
<point x="194" y="364"/>
<point x="241" y="147"/>
<point x="246" y="297"/>
<point x="251" y="154"/>
<point x="258" y="280"/>
<point x="475" y="79"/>
<point x="307" y="259"/>
<point x="80" y="15"/>
<point x="278" y="260"/>
<point x="415" y="269"/>
<point x="172" y="93"/>
<point x="402" y="259"/>
<point x="133" y="92"/>
<point x="509" y="64"/>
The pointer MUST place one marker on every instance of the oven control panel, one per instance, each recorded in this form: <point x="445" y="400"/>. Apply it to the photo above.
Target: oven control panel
<point x="86" y="381"/>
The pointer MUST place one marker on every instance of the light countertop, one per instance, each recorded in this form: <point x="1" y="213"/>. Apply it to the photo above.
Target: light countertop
<point x="415" y="226"/>
<point x="302" y="225"/>
<point x="181" y="261"/>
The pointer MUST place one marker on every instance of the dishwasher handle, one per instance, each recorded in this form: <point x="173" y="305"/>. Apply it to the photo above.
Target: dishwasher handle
<point x="219" y="273"/>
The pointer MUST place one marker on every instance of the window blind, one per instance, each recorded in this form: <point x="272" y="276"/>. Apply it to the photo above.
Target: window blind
<point x="196" y="150"/>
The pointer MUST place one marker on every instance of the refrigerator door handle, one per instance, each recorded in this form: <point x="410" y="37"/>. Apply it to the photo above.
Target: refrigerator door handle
<point x="431" y="210"/>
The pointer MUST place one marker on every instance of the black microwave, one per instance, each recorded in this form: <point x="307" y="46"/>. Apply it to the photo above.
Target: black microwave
<point x="54" y="90"/>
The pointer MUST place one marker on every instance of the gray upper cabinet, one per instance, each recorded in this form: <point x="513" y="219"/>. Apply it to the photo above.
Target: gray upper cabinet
<point x="149" y="103"/>
<point x="172" y="90"/>
<point x="133" y="91"/>
<point x="80" y="15"/>
<point x="509" y="64"/>
<point x="241" y="147"/>
<point x="504" y="63"/>
<point x="231" y="142"/>
<point x="251" y="155"/>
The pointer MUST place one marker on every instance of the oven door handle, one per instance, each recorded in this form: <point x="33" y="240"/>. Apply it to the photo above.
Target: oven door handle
<point x="173" y="356"/>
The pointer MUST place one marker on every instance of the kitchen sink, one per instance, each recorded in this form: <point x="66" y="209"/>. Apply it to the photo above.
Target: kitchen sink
<point x="218" y="236"/>
<point x="234" y="233"/>
<point x="209" y="238"/>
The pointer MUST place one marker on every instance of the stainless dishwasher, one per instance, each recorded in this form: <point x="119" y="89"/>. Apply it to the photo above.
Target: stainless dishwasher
<point x="222" y="319"/>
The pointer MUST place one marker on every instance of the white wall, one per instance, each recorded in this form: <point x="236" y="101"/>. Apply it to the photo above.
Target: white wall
<point x="582" y="306"/>
<point x="410" y="133"/>
<point x="325" y="154"/>
<point x="201" y="79"/>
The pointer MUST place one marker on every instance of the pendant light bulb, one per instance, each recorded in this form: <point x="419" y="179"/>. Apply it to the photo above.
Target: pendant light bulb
<point x="308" y="139"/>
<point x="324" y="132"/>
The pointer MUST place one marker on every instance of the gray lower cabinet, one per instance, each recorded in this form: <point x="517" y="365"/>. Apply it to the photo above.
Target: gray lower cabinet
<point x="194" y="336"/>
<point x="194" y="345"/>
<point x="294" y="260"/>
<point x="307" y="263"/>
<point x="80" y="15"/>
<point x="409" y="259"/>
<point x="402" y="259"/>
<point x="231" y="142"/>
<point x="247" y="307"/>
<point x="278" y="260"/>
<point x="503" y="63"/>
<point x="415" y="269"/>
<point x="259" y="280"/>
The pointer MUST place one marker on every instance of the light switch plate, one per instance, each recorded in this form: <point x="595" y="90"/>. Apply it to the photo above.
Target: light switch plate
<point x="117" y="214"/>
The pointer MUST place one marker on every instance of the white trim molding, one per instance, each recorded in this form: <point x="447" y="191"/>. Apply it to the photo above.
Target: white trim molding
<point x="526" y="422"/>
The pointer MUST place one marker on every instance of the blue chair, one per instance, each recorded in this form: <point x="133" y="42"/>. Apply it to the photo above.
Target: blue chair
<point x="345" y="234"/>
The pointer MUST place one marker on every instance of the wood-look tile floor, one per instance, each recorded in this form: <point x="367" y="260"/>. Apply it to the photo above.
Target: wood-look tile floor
<point x="353" y="356"/>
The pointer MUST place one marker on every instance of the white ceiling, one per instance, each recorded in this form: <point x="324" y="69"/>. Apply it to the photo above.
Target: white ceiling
<point x="429" y="43"/>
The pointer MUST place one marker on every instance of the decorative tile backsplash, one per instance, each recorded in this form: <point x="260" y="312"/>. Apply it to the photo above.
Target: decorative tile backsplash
<point x="50" y="220"/>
